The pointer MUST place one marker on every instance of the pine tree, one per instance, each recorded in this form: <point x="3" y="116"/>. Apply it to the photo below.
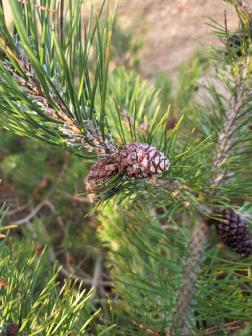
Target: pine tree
<point x="163" y="193"/>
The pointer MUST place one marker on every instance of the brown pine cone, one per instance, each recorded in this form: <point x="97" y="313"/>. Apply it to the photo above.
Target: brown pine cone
<point x="101" y="172"/>
<point x="233" y="231"/>
<point x="12" y="329"/>
<point x="141" y="161"/>
<point x="134" y="160"/>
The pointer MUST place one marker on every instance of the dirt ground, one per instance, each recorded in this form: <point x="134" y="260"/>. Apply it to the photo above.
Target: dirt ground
<point x="171" y="30"/>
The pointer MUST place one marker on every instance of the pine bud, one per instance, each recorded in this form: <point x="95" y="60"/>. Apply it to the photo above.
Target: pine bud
<point x="234" y="232"/>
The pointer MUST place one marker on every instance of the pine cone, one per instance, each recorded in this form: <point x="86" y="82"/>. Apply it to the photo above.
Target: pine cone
<point x="101" y="172"/>
<point x="11" y="329"/>
<point x="234" y="232"/>
<point x="133" y="160"/>
<point x="141" y="161"/>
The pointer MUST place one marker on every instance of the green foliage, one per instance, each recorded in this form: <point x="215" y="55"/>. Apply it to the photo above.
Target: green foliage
<point x="40" y="172"/>
<point x="230" y="93"/>
<point x="125" y="46"/>
<point x="144" y="267"/>
<point x="188" y="82"/>
<point x="31" y="297"/>
<point x="181" y="96"/>
<point x="132" y="102"/>
<point x="147" y="238"/>
<point x="52" y="96"/>
<point x="164" y="83"/>
<point x="121" y="41"/>
<point x="14" y="166"/>
<point x="147" y="249"/>
<point x="42" y="163"/>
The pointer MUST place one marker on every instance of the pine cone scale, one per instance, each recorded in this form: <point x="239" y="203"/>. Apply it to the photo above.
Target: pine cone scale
<point x="141" y="161"/>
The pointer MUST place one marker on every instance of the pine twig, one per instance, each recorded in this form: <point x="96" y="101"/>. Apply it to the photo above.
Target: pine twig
<point x="31" y="87"/>
<point x="226" y="140"/>
<point x="97" y="273"/>
<point x="19" y="209"/>
<point x="45" y="202"/>
<point x="32" y="214"/>
<point x="191" y="270"/>
<point x="200" y="234"/>
<point x="234" y="326"/>
<point x="77" y="277"/>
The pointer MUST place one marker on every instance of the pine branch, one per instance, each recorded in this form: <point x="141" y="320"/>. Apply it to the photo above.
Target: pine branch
<point x="190" y="271"/>
<point x="33" y="91"/>
<point x="225" y="143"/>
<point x="231" y="123"/>
<point x="46" y="90"/>
<point x="220" y="167"/>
